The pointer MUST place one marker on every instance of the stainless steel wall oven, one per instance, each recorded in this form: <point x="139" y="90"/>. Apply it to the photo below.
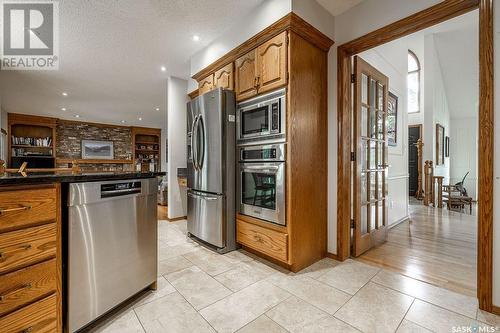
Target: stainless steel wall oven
<point x="261" y="182"/>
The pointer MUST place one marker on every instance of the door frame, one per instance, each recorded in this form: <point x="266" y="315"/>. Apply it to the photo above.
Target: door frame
<point x="441" y="12"/>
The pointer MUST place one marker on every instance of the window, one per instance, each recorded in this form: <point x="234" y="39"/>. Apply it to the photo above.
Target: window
<point x="413" y="83"/>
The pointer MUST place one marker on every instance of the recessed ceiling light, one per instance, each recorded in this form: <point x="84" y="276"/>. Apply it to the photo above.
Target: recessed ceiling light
<point x="63" y="109"/>
<point x="64" y="93"/>
<point x="77" y="116"/>
<point x="163" y="68"/>
<point x="123" y="121"/>
<point x="140" y="118"/>
<point x="196" y="38"/>
<point x="157" y="109"/>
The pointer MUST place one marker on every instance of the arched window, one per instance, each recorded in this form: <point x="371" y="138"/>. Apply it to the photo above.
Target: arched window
<point x="413" y="83"/>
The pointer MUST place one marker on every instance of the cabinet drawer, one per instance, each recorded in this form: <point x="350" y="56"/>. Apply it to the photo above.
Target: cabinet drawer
<point x="269" y="242"/>
<point x="39" y="317"/>
<point x="21" y="208"/>
<point x="26" y="285"/>
<point x="27" y="246"/>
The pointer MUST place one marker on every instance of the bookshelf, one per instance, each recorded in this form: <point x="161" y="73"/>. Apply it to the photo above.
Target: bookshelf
<point x="146" y="144"/>
<point x="31" y="139"/>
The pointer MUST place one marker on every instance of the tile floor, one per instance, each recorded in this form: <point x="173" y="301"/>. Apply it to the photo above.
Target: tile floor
<point x="199" y="291"/>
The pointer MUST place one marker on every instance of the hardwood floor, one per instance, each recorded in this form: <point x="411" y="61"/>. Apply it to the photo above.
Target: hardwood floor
<point x="162" y="212"/>
<point x="437" y="246"/>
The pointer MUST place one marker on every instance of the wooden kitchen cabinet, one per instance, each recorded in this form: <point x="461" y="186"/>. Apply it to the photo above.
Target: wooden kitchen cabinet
<point x="246" y="76"/>
<point x="271" y="63"/>
<point x="262" y="69"/>
<point x="224" y="77"/>
<point x="206" y="84"/>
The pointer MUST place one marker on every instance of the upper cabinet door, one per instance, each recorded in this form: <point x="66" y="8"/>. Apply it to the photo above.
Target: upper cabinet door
<point x="224" y="77"/>
<point x="246" y="76"/>
<point x="272" y="63"/>
<point x="206" y="84"/>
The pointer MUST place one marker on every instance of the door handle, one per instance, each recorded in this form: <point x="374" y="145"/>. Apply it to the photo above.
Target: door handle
<point x="194" y="146"/>
<point x="203" y="197"/>
<point x="202" y="152"/>
<point x="15" y="291"/>
<point x="9" y="210"/>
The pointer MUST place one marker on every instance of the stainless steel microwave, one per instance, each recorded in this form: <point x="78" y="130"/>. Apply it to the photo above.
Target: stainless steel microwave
<point x="262" y="117"/>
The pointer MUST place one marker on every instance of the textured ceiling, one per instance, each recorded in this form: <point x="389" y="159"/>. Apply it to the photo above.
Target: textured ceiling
<point x="337" y="7"/>
<point x="110" y="57"/>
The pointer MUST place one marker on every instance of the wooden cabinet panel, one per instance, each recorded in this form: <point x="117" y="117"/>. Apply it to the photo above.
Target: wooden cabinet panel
<point x="27" y="285"/>
<point x="267" y="241"/>
<point x="223" y="78"/>
<point x="28" y="246"/>
<point x="206" y="84"/>
<point x="272" y="63"/>
<point x="39" y="317"/>
<point x="245" y="76"/>
<point x="27" y="207"/>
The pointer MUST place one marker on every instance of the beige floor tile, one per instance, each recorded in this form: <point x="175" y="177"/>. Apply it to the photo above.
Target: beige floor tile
<point x="294" y="314"/>
<point x="438" y="319"/>
<point x="243" y="275"/>
<point x="447" y="299"/>
<point x="173" y="265"/>
<point x="199" y="288"/>
<point x="263" y="324"/>
<point x="409" y="327"/>
<point x="239" y="256"/>
<point x="375" y="309"/>
<point x="171" y="313"/>
<point x="235" y="311"/>
<point x="125" y="322"/>
<point x="163" y="288"/>
<point x="488" y="318"/>
<point x="349" y="276"/>
<point x="316" y="293"/>
<point x="210" y="262"/>
<point x="166" y="251"/>
<point x="319" y="268"/>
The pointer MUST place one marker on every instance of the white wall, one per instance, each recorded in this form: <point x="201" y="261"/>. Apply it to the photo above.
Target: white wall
<point x="390" y="59"/>
<point x="463" y="152"/>
<point x="496" y="192"/>
<point x="263" y="16"/>
<point x="436" y="107"/>
<point x="177" y="155"/>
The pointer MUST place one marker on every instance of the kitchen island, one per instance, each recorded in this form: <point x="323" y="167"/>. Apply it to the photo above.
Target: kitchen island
<point x="35" y="236"/>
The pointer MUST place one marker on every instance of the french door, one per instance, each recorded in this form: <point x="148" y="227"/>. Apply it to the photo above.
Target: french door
<point x="371" y="162"/>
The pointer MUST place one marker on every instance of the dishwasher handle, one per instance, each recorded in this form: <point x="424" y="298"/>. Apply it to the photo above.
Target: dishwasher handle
<point x="120" y="189"/>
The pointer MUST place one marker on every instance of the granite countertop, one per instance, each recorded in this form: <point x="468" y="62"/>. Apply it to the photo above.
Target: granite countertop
<point x="69" y="177"/>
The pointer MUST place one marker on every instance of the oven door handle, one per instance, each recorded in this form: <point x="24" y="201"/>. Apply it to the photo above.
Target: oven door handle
<point x="266" y="169"/>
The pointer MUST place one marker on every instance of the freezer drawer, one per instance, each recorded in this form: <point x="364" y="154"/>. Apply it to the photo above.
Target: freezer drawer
<point x="206" y="217"/>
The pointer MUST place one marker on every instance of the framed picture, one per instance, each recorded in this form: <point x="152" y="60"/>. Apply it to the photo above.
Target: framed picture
<point x="439" y="144"/>
<point x="392" y="119"/>
<point x="447" y="147"/>
<point x="92" y="149"/>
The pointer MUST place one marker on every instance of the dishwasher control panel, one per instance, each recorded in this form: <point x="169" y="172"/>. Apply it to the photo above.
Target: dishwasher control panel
<point x="119" y="189"/>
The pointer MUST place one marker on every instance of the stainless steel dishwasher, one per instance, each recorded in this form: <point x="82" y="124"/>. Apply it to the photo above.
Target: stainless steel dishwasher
<point x="112" y="245"/>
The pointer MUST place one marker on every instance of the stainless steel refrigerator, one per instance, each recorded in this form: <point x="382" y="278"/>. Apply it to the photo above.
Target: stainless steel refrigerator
<point x="211" y="163"/>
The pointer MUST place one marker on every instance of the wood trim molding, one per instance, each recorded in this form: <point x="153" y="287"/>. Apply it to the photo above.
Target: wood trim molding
<point x="332" y="256"/>
<point x="290" y="21"/>
<point x="433" y="15"/>
<point x="495" y="310"/>
<point x="485" y="154"/>
<point x="193" y="94"/>
<point x="426" y="18"/>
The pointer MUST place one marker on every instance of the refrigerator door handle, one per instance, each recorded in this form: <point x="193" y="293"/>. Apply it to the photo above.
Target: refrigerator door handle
<point x="203" y="197"/>
<point x="194" y="145"/>
<point x="201" y="126"/>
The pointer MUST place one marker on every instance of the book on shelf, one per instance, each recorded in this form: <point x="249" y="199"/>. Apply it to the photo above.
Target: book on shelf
<point x="31" y="141"/>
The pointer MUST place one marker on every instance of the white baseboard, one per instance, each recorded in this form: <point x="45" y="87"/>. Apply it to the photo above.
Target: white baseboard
<point x="404" y="219"/>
